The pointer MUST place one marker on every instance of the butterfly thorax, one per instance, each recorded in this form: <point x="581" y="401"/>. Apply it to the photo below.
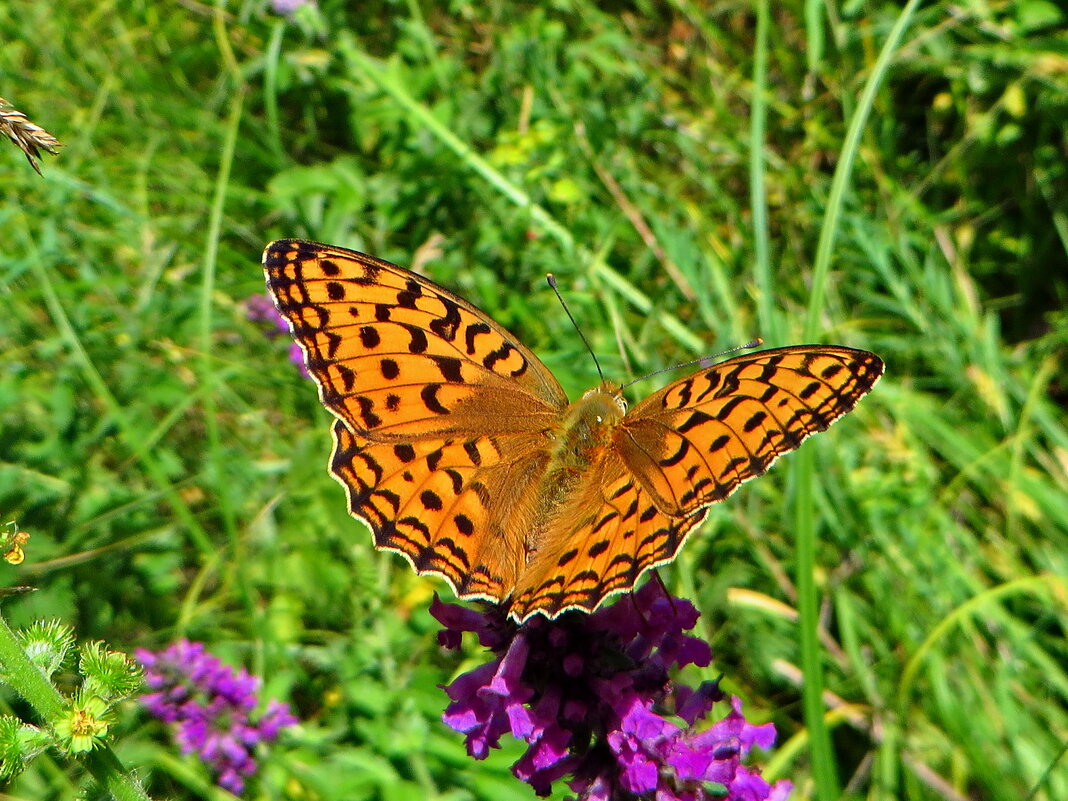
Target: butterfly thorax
<point x="584" y="434"/>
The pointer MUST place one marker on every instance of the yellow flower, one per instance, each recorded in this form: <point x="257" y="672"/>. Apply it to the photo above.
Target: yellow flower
<point x="12" y="541"/>
<point x="84" y="725"/>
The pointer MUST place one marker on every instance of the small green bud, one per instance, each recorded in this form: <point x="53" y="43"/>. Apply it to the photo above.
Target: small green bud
<point x="47" y="644"/>
<point x="111" y="675"/>
<point x="19" y="743"/>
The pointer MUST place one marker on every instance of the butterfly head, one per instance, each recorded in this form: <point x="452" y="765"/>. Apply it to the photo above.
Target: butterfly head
<point x="602" y="405"/>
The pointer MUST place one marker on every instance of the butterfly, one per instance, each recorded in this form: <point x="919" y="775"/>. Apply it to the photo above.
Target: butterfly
<point x="461" y="452"/>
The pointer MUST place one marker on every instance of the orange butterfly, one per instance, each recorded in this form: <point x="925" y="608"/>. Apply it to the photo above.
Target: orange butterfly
<point x="460" y="450"/>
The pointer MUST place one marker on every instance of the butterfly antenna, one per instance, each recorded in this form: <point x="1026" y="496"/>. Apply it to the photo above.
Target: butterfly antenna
<point x="704" y="361"/>
<point x="551" y="279"/>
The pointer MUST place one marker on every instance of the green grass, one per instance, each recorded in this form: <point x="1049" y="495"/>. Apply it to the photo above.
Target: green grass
<point x="169" y="463"/>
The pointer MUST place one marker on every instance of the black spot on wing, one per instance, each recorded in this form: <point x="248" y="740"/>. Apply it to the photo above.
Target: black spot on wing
<point x="367" y="413"/>
<point x="418" y="341"/>
<point x="369" y="337"/>
<point x="729" y="407"/>
<point x="429" y="396"/>
<point x="407" y="296"/>
<point x="446" y="327"/>
<point x="678" y="456"/>
<point x="347" y="376"/>
<point x="719" y="443"/>
<point x="449" y="367"/>
<point x="333" y="341"/>
<point x="471" y="332"/>
<point x="471" y="449"/>
<point x="755" y="421"/>
<point x="456" y="479"/>
<point x="433" y="459"/>
<point x="598" y="548"/>
<point x="567" y="557"/>
<point x="695" y="419"/>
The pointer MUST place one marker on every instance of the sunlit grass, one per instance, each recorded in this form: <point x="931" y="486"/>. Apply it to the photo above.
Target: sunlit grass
<point x="169" y="462"/>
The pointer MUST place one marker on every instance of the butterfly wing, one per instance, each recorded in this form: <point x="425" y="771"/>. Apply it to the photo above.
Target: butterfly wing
<point x="601" y="543"/>
<point x="396" y="357"/>
<point x="445" y="421"/>
<point x="697" y="440"/>
<point x="680" y="450"/>
<point x="455" y="508"/>
<point x="443" y="417"/>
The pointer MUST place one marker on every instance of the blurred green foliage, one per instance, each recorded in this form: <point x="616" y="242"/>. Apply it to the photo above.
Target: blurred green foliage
<point x="169" y="462"/>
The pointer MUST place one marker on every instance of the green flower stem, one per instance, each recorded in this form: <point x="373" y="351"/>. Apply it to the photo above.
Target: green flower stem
<point x="110" y="774"/>
<point x="46" y="700"/>
<point x="26" y="678"/>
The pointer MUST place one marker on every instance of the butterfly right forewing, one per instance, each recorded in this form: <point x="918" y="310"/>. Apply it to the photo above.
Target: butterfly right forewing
<point x="697" y="440"/>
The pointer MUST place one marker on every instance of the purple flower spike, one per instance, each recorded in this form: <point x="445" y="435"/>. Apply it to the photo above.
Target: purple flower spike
<point x="286" y="8"/>
<point x="261" y="309"/>
<point x="592" y="698"/>
<point x="209" y="704"/>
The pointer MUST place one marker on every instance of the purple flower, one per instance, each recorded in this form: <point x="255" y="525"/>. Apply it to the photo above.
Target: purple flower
<point x="286" y="8"/>
<point x="592" y="697"/>
<point x="261" y="309"/>
<point x="210" y="705"/>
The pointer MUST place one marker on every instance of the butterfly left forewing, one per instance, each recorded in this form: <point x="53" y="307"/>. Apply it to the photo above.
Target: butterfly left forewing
<point x="397" y="357"/>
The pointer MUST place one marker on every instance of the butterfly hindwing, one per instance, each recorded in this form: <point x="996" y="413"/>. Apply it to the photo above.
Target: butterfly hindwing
<point x="600" y="545"/>
<point x="447" y="506"/>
